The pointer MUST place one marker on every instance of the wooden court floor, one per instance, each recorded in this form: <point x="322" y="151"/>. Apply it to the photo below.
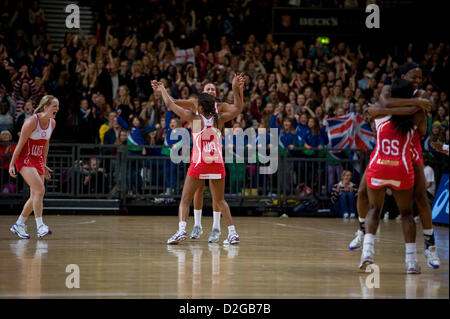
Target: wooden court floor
<point x="292" y="258"/>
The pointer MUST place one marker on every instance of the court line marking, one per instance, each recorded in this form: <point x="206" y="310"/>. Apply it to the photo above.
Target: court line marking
<point x="337" y="233"/>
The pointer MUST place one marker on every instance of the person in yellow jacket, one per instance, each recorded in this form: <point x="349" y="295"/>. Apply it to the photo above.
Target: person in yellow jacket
<point x="106" y="126"/>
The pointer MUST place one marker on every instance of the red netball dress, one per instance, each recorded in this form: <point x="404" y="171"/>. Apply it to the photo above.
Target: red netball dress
<point x="207" y="159"/>
<point x="416" y="149"/>
<point x="391" y="161"/>
<point x="32" y="154"/>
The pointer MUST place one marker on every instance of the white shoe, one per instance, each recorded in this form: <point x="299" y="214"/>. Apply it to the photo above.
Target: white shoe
<point x="196" y="232"/>
<point x="417" y="219"/>
<point x="177" y="237"/>
<point x="43" y="230"/>
<point x="352" y="216"/>
<point x="412" y="267"/>
<point x="214" y="236"/>
<point x="386" y="216"/>
<point x="345" y="215"/>
<point x="20" y="230"/>
<point x="399" y="217"/>
<point x="232" y="239"/>
<point x="433" y="260"/>
<point x="366" y="259"/>
<point x="357" y="241"/>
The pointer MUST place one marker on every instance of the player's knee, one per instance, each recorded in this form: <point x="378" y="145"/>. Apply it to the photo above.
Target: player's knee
<point x="38" y="190"/>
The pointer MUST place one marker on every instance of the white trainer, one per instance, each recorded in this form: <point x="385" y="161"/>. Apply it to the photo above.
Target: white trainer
<point x="196" y="232"/>
<point x="232" y="239"/>
<point x="20" y="230"/>
<point x="412" y="267"/>
<point x="214" y="236"/>
<point x="43" y="230"/>
<point x="366" y="259"/>
<point x="357" y="241"/>
<point x="433" y="260"/>
<point x="177" y="237"/>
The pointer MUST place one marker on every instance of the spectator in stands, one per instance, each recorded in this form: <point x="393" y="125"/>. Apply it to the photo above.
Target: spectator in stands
<point x="28" y="111"/>
<point x="343" y="196"/>
<point x="6" y="151"/>
<point x="86" y="123"/>
<point x="105" y="127"/>
<point x="6" y="115"/>
<point x="24" y="89"/>
<point x="96" y="179"/>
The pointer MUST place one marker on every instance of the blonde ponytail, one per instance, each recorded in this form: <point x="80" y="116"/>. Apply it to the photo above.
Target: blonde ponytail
<point x="46" y="100"/>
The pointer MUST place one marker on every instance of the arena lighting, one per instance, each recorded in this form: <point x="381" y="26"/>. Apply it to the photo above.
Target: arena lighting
<point x="323" y="40"/>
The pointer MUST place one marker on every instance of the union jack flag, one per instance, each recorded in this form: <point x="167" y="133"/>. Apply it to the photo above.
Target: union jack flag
<point x="349" y="131"/>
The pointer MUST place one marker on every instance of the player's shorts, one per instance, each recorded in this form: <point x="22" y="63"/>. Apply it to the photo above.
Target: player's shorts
<point x="207" y="171"/>
<point x="386" y="173"/>
<point x="35" y="162"/>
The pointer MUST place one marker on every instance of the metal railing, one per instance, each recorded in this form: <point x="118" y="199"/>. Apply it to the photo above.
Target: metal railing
<point x="96" y="173"/>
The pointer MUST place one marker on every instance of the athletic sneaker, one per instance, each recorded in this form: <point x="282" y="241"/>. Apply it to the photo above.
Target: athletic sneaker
<point x="20" y="230"/>
<point x="196" y="232"/>
<point x="366" y="259"/>
<point x="345" y="215"/>
<point x="433" y="260"/>
<point x="214" y="236"/>
<point x="412" y="267"/>
<point x="357" y="241"/>
<point x="177" y="237"/>
<point x="352" y="216"/>
<point x="232" y="239"/>
<point x="43" y="230"/>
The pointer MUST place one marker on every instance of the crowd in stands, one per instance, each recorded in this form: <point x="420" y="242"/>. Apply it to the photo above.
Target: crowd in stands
<point x="103" y="81"/>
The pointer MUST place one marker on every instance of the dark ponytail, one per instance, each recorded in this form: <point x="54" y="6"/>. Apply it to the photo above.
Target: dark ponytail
<point x="208" y="102"/>
<point x="401" y="89"/>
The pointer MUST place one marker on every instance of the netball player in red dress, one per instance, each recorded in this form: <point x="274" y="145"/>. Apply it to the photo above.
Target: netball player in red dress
<point x="413" y="75"/>
<point x="391" y="165"/>
<point x="197" y="230"/>
<point x="29" y="159"/>
<point x="206" y="160"/>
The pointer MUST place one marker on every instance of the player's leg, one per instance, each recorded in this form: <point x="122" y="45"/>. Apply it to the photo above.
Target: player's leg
<point x="362" y="203"/>
<point x="404" y="202"/>
<point x="421" y="200"/>
<point x="191" y="184"/>
<point x="376" y="199"/>
<point x="198" y="205"/>
<point x="217" y="187"/>
<point x="19" y="228"/>
<point x="37" y="190"/>
<point x="214" y="235"/>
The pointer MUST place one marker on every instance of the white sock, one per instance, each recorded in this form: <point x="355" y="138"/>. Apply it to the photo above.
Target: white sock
<point x="411" y="252"/>
<point x="182" y="226"/>
<point x="368" y="245"/>
<point x="216" y="220"/>
<point x="231" y="230"/>
<point x="198" y="217"/>
<point x="39" y="222"/>
<point x="21" y="220"/>
<point x="361" y="220"/>
<point x="428" y="232"/>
